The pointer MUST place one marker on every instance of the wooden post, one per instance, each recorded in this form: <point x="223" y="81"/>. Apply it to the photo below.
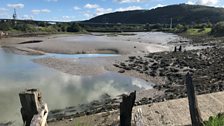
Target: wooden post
<point x="180" y="49"/>
<point x="126" y="109"/>
<point x="1" y="34"/>
<point x="175" y="49"/>
<point x="196" y="119"/>
<point x="31" y="102"/>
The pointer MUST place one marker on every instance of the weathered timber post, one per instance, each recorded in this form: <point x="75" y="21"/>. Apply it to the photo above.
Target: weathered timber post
<point x="175" y="49"/>
<point x="180" y="49"/>
<point x="32" y="104"/>
<point x="196" y="119"/>
<point x="126" y="109"/>
<point x="1" y="34"/>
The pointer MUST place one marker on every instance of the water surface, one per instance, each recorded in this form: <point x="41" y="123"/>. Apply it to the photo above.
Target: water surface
<point x="56" y="55"/>
<point x="60" y="90"/>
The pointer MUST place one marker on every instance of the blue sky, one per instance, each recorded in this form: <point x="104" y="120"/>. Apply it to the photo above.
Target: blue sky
<point x="75" y="10"/>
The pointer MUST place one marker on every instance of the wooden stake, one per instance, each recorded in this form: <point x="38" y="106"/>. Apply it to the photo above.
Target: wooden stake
<point x="31" y="102"/>
<point x="196" y="119"/>
<point x="126" y="109"/>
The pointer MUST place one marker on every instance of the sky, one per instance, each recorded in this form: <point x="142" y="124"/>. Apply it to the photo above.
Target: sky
<point x="77" y="10"/>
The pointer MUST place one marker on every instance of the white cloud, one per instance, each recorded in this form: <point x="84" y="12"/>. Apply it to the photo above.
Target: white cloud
<point x="30" y="17"/>
<point x="4" y="12"/>
<point x="100" y="11"/>
<point x="207" y="2"/>
<point x="91" y="6"/>
<point x="204" y="2"/>
<point x="129" y="8"/>
<point x="88" y="14"/>
<point x="66" y="17"/>
<point x="76" y="8"/>
<point x="17" y="6"/>
<point x="190" y="2"/>
<point x="45" y="11"/>
<point x="158" y="5"/>
<point x="36" y="11"/>
<point x="130" y="1"/>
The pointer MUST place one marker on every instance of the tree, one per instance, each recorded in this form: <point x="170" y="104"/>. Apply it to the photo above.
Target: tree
<point x="147" y="27"/>
<point x="180" y="28"/>
<point x="74" y="27"/>
<point x="218" y="29"/>
<point x="5" y="26"/>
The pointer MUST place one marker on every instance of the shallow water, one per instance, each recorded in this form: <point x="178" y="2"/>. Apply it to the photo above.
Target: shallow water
<point x="60" y="90"/>
<point x="56" y="55"/>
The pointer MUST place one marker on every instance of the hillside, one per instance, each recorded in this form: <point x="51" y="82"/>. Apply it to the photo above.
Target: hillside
<point x="181" y="13"/>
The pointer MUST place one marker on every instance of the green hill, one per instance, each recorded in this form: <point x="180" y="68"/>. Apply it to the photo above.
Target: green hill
<point x="182" y="13"/>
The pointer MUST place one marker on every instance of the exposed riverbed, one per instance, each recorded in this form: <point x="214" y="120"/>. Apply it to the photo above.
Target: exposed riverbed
<point x="66" y="77"/>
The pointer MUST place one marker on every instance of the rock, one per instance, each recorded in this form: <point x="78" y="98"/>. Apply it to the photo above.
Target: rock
<point x="131" y="57"/>
<point x="116" y="65"/>
<point x="154" y="66"/>
<point x="161" y="73"/>
<point x="122" y="64"/>
<point x="127" y="68"/>
<point x="164" y="63"/>
<point x="174" y="69"/>
<point x="105" y="96"/>
<point x="152" y="73"/>
<point x="121" y="71"/>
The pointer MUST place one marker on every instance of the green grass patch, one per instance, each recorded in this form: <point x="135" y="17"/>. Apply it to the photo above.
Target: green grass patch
<point x="196" y="31"/>
<point x="215" y="120"/>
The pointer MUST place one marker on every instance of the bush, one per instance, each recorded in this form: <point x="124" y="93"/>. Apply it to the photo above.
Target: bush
<point x="5" y="26"/>
<point x="218" y="29"/>
<point x="74" y="27"/>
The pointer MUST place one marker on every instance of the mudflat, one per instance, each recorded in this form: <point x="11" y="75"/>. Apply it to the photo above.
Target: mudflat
<point x="94" y="43"/>
<point x="122" y="46"/>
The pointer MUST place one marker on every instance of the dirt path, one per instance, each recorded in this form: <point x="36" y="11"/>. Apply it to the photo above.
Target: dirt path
<point x="169" y="113"/>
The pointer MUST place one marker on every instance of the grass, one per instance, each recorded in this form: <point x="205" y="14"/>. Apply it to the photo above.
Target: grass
<point x="215" y="120"/>
<point x="196" y="31"/>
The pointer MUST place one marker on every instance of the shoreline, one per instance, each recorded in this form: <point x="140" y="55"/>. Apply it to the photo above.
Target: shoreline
<point x="119" y="65"/>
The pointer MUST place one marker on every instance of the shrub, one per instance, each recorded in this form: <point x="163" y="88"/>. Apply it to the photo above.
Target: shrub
<point x="218" y="29"/>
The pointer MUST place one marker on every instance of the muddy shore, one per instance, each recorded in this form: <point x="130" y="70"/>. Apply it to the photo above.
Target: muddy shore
<point x="168" y="70"/>
<point x="138" y="57"/>
<point x="204" y="65"/>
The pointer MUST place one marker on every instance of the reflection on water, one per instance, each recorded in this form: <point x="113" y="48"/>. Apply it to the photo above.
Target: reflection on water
<point x="60" y="90"/>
